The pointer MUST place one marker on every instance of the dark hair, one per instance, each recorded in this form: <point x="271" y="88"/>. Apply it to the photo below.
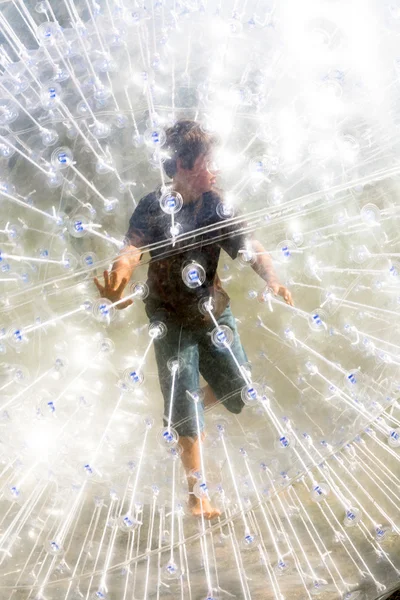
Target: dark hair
<point x="186" y="140"/>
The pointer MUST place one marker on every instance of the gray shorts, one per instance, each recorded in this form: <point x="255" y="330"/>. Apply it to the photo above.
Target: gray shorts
<point x="198" y="354"/>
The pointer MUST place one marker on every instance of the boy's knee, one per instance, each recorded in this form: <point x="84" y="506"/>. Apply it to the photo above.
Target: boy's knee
<point x="235" y="403"/>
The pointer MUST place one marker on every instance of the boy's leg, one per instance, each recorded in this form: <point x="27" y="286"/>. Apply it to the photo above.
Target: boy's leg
<point x="209" y="397"/>
<point x="179" y="343"/>
<point x="191" y="461"/>
<point x="220" y="369"/>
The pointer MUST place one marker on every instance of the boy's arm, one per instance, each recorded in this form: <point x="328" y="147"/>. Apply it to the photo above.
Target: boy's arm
<point x="121" y="272"/>
<point x="264" y="267"/>
<point x="126" y="263"/>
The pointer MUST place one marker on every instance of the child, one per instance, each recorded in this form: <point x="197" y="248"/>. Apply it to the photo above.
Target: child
<point x="174" y="303"/>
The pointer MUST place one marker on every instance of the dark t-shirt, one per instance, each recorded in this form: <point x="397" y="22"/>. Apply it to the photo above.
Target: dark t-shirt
<point x="168" y="293"/>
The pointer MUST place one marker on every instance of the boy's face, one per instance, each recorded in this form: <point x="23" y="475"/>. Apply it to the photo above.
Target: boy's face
<point x="202" y="176"/>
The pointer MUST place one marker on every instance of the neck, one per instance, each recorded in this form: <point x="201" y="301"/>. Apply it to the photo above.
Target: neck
<point x="187" y="193"/>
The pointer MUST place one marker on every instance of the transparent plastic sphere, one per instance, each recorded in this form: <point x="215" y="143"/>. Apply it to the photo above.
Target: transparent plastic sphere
<point x="353" y="378"/>
<point x="50" y="95"/>
<point x="394" y="272"/>
<point x="49" y="137"/>
<point x="285" y="441"/>
<point x="249" y="541"/>
<point x="352" y="517"/>
<point x="175" y="452"/>
<point x="318" y="586"/>
<point x="88" y="259"/>
<point x="100" y="594"/>
<point x="225" y="210"/>
<point x="137" y="140"/>
<point x="320" y="491"/>
<point x="235" y="27"/>
<point x="259" y="168"/>
<point x="285" y="250"/>
<point x="54" y="179"/>
<point x="382" y="532"/>
<point x="103" y="311"/>
<point x="71" y="131"/>
<point x="311" y="268"/>
<point x="206" y="305"/>
<point x="175" y="364"/>
<point x="140" y="289"/>
<point x="222" y="336"/>
<point x="360" y="254"/>
<point x="111" y="206"/>
<point x="8" y="112"/>
<point x="70" y="261"/>
<point x="83" y="108"/>
<point x="16" y="338"/>
<point x="154" y="138"/>
<point x="60" y="75"/>
<point x="121" y="121"/>
<point x="127" y="523"/>
<point x="317" y="320"/>
<point x="370" y="215"/>
<point x="47" y="408"/>
<point x="172" y="231"/>
<point x="394" y="438"/>
<point x="247" y="256"/>
<point x="105" y="165"/>
<point x="282" y="566"/>
<point x="5" y="149"/>
<point x="251" y="394"/>
<point x="101" y="93"/>
<point x="239" y="95"/>
<point x="200" y="489"/>
<point x="196" y="396"/>
<point x="171" y="202"/>
<point x="77" y="226"/>
<point x="171" y="571"/>
<point x="298" y="238"/>
<point x="101" y="130"/>
<point x="133" y="377"/>
<point x="106" y="346"/>
<point x="168" y="437"/>
<point x="21" y="375"/>
<point x="13" y="493"/>
<point x="62" y="157"/>
<point x="7" y="188"/>
<point x="54" y="547"/>
<point x="49" y="33"/>
<point x="157" y="330"/>
<point x="193" y="275"/>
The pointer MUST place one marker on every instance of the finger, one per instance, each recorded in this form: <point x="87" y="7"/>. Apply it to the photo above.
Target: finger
<point x="121" y="285"/>
<point x="97" y="284"/>
<point x="289" y="299"/>
<point x="113" y="279"/>
<point x="106" y="279"/>
<point x="124" y="304"/>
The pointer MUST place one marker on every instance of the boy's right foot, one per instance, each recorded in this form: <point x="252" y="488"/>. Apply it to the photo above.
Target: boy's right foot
<point x="203" y="506"/>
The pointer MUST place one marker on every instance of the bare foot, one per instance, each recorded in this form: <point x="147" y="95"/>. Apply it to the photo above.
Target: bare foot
<point x="197" y="507"/>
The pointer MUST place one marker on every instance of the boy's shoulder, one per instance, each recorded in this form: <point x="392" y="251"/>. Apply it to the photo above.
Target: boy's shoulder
<point x="150" y="198"/>
<point x="148" y="205"/>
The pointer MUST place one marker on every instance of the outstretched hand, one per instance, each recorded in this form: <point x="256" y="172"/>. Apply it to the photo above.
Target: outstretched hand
<point x="111" y="291"/>
<point x="280" y="290"/>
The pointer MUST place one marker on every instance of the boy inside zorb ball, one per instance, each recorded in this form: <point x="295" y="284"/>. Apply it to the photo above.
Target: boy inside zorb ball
<point x="194" y="330"/>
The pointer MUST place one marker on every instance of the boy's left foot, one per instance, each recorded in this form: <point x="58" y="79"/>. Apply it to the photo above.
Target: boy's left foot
<point x="203" y="506"/>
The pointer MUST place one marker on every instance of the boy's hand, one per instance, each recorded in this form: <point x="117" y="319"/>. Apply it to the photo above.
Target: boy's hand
<point x="280" y="290"/>
<point x="110" y="289"/>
